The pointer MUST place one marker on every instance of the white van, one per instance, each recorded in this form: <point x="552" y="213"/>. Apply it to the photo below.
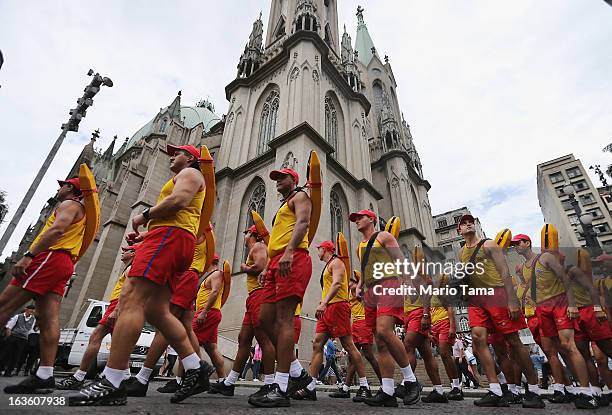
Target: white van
<point x="73" y="342"/>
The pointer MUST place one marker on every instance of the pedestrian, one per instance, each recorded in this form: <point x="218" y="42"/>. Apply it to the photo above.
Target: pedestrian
<point x="171" y="357"/>
<point x="31" y="353"/>
<point x="257" y="355"/>
<point x="248" y="365"/>
<point x="19" y="326"/>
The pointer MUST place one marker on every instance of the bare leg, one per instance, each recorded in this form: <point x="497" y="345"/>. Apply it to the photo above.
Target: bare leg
<point x="446" y="354"/>
<point x="93" y="347"/>
<point x="422" y="344"/>
<point x="216" y="358"/>
<point x="245" y="339"/>
<point x="11" y="299"/>
<point x="317" y="353"/>
<point x="368" y="353"/>
<point x="583" y="347"/>
<point x="394" y="350"/>
<point x="354" y="355"/>
<point x="47" y="311"/>
<point x="481" y="350"/>
<point x="566" y="340"/>
<point x="521" y="356"/>
<point x="268" y="351"/>
<point x="602" y="365"/>
<point x="285" y="342"/>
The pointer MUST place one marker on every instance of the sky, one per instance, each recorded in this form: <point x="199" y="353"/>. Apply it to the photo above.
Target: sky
<point x="489" y="88"/>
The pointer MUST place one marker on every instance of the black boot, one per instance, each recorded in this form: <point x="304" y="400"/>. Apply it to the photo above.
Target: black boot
<point x="381" y="399"/>
<point x="435" y="397"/>
<point x="275" y="398"/>
<point x="222" y="388"/>
<point x="533" y="400"/>
<point x="455" y="394"/>
<point x="102" y="393"/>
<point x="194" y="381"/>
<point x="491" y="400"/>
<point x="32" y="384"/>
<point x="363" y="393"/>
<point x="134" y="388"/>
<point x="413" y="392"/>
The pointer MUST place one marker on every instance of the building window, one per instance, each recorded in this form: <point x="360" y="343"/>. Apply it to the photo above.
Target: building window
<point x="573" y="172"/>
<point x="587" y="199"/>
<point x="581" y="185"/>
<point x="567" y="205"/>
<point x="447" y="248"/>
<point x="556" y="177"/>
<point x="162" y="125"/>
<point x="457" y="218"/>
<point x="336" y="214"/>
<point x="559" y="191"/>
<point x="442" y="223"/>
<point x="257" y="202"/>
<point x="267" y="121"/>
<point x="445" y="235"/>
<point x="331" y="122"/>
<point x="573" y="219"/>
<point x="596" y="213"/>
<point x="602" y="228"/>
<point x="464" y="324"/>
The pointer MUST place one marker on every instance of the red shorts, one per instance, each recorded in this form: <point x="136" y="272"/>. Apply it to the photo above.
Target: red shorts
<point x="494" y="318"/>
<point x="589" y="328"/>
<point x="497" y="339"/>
<point x="253" y="304"/>
<point x="104" y="320"/>
<point x="48" y="272"/>
<point x="412" y="322"/>
<point x="184" y="289"/>
<point x="164" y="254"/>
<point x="336" y="320"/>
<point x="440" y="330"/>
<point x="292" y="285"/>
<point x="552" y="315"/>
<point x="534" y="327"/>
<point x="362" y="333"/>
<point x="208" y="331"/>
<point x="297" y="329"/>
<point x="383" y="305"/>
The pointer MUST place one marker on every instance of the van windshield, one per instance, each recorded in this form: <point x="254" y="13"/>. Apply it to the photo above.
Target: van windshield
<point x="148" y="326"/>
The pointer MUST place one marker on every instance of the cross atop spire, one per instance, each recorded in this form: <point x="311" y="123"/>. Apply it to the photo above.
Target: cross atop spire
<point x="360" y="11"/>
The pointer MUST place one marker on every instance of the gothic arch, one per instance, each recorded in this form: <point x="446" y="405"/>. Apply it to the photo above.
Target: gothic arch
<point x="339" y="211"/>
<point x="416" y="210"/>
<point x="254" y="199"/>
<point x="377" y="94"/>
<point x="334" y="125"/>
<point x="265" y="120"/>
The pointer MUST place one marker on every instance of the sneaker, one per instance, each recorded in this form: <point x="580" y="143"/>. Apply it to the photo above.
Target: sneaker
<point x="101" y="393"/>
<point x="512" y="398"/>
<point x="570" y="397"/>
<point x="413" y="392"/>
<point x="134" y="388"/>
<point x="476" y="386"/>
<point x="298" y="383"/>
<point x="558" y="397"/>
<point x="70" y="384"/>
<point x="455" y="394"/>
<point x="341" y="394"/>
<point x="222" y="388"/>
<point x="194" y="381"/>
<point x="400" y="391"/>
<point x="305" y="394"/>
<point x="275" y="398"/>
<point x="533" y="400"/>
<point x="603" y="400"/>
<point x="583" y="401"/>
<point x="169" y="387"/>
<point x="32" y="384"/>
<point x="362" y="393"/>
<point x="381" y="399"/>
<point x="491" y="400"/>
<point x="435" y="397"/>
<point x="261" y="391"/>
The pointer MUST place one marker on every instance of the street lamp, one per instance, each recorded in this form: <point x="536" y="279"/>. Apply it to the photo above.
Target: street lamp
<point x="586" y="221"/>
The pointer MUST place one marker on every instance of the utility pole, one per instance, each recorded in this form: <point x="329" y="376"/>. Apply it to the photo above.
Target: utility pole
<point x="76" y="115"/>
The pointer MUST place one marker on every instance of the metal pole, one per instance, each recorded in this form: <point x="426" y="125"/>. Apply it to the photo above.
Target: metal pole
<point x="30" y="193"/>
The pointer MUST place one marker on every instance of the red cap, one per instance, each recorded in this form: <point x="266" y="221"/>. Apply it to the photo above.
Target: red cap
<point x="365" y="212"/>
<point x="188" y="148"/>
<point x="75" y="182"/>
<point x="252" y="229"/>
<point x="465" y="217"/>
<point x="520" y="237"/>
<point x="275" y="174"/>
<point x="329" y="245"/>
<point x="215" y="257"/>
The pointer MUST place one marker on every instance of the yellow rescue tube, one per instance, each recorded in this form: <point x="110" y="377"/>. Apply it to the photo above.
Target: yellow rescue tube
<point x="227" y="281"/>
<point x="314" y="182"/>
<point x="357" y="275"/>
<point x="209" y="235"/>
<point x="262" y="230"/>
<point x="550" y="237"/>
<point x="503" y="238"/>
<point x="393" y="226"/>
<point x="207" y="167"/>
<point x="91" y="202"/>
<point x="342" y="251"/>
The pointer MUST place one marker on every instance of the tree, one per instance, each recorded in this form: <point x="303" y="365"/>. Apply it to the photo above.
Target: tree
<point x="608" y="149"/>
<point x="3" y="205"/>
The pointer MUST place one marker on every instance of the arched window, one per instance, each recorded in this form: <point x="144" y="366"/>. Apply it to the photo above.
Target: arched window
<point x="162" y="125"/>
<point x="415" y="207"/>
<point x="377" y="92"/>
<point x="267" y="121"/>
<point x="257" y="202"/>
<point x="336" y="214"/>
<point x="331" y="123"/>
<point x="388" y="140"/>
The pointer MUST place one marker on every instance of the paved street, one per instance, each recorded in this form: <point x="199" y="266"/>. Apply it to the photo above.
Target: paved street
<point x="207" y="404"/>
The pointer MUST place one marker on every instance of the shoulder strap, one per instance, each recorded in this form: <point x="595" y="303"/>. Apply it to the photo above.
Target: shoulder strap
<point x="297" y="189"/>
<point x="366" y="254"/>
<point x="478" y="246"/>
<point x="208" y="274"/>
<point x="325" y="267"/>
<point x="533" y="277"/>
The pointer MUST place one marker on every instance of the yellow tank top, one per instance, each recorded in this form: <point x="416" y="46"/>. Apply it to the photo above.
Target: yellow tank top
<point x="357" y="309"/>
<point x="118" y="286"/>
<point x="526" y="302"/>
<point x="581" y="294"/>
<point x="438" y="314"/>
<point x="378" y="254"/>
<point x="547" y="283"/>
<point x="342" y="294"/>
<point x="71" y="240"/>
<point x="199" y="258"/>
<point x="489" y="277"/>
<point x="298" y="310"/>
<point x="187" y="218"/>
<point x="282" y="230"/>
<point x="204" y="293"/>
<point x="252" y="282"/>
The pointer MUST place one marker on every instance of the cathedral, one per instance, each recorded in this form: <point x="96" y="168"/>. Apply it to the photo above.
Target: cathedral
<point x="300" y="86"/>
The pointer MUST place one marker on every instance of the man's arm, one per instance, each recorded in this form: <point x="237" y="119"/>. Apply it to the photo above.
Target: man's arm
<point x="187" y="183"/>
<point x="493" y="251"/>
<point x="259" y="255"/>
<point x="337" y="270"/>
<point x="549" y="261"/>
<point x="587" y="282"/>
<point x="11" y="323"/>
<point x="216" y="280"/>
<point x="65" y="214"/>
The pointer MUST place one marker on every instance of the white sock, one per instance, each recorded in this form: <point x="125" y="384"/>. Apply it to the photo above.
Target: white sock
<point x="512" y="388"/>
<point x="596" y="390"/>
<point x="363" y="382"/>
<point x="179" y="380"/>
<point x="456" y="383"/>
<point x="80" y="375"/>
<point x="408" y="374"/>
<point x="191" y="362"/>
<point x="269" y="379"/>
<point x="571" y="389"/>
<point x="558" y="387"/>
<point x="495" y="388"/>
<point x="143" y="375"/>
<point x="295" y="369"/>
<point x="282" y="380"/>
<point x="114" y="376"/>
<point x="438" y="388"/>
<point x="387" y="386"/>
<point x="608" y="392"/>
<point x="127" y="374"/>
<point x="535" y="389"/>
<point x="586" y="391"/>
<point x="231" y="378"/>
<point x="502" y="378"/>
<point x="345" y="387"/>
<point x="312" y="385"/>
<point x="44" y="372"/>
